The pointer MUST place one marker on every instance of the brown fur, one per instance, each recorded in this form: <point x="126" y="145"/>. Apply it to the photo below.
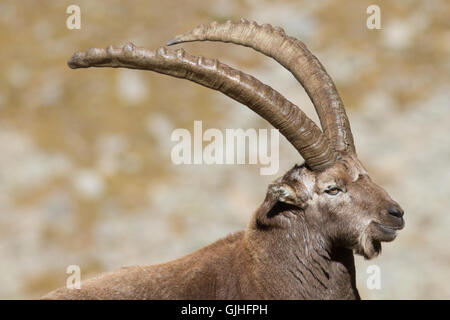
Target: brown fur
<point x="298" y="245"/>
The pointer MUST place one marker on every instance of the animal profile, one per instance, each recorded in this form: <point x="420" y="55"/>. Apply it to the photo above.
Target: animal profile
<point x="301" y="241"/>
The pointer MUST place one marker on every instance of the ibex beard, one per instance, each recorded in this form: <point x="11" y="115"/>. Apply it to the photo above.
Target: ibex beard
<point x="300" y="242"/>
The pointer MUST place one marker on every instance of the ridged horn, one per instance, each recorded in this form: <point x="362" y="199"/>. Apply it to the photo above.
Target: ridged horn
<point x="289" y="119"/>
<point x="294" y="56"/>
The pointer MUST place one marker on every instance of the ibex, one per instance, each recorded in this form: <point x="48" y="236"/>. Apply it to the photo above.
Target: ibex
<point x="300" y="242"/>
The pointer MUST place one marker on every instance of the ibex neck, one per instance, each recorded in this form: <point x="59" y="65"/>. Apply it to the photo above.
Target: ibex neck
<point x="298" y="263"/>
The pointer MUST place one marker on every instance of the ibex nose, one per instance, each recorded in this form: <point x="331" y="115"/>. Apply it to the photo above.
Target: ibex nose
<point x="395" y="211"/>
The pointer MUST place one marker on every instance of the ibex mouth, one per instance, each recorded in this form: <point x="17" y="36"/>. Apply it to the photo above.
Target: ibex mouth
<point x="375" y="233"/>
<point x="386" y="233"/>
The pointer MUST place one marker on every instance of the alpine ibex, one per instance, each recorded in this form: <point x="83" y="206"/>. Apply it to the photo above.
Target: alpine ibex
<point x="300" y="241"/>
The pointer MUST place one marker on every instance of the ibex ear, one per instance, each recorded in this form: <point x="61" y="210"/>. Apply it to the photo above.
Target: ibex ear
<point x="282" y="192"/>
<point x="280" y="197"/>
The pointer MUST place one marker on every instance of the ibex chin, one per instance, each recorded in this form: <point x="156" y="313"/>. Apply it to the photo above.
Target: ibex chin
<point x="300" y="241"/>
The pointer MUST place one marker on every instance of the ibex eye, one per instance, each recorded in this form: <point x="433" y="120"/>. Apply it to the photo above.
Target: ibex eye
<point x="333" y="191"/>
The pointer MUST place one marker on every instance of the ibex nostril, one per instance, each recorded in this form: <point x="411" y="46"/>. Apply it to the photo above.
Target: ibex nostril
<point x="396" y="212"/>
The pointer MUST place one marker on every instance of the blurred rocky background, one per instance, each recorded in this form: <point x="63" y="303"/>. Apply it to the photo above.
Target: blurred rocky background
<point x="85" y="171"/>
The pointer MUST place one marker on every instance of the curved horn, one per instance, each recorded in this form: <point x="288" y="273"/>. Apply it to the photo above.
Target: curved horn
<point x="293" y="123"/>
<point x="294" y="56"/>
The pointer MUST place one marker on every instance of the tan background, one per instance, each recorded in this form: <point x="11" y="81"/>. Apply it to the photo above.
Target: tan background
<point x="85" y="170"/>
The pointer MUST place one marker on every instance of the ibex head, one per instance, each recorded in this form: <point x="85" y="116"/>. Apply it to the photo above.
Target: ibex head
<point x="332" y="190"/>
<point x="341" y="203"/>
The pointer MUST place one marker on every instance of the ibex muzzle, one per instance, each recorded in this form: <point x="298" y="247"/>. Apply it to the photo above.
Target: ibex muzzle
<point x="300" y="242"/>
